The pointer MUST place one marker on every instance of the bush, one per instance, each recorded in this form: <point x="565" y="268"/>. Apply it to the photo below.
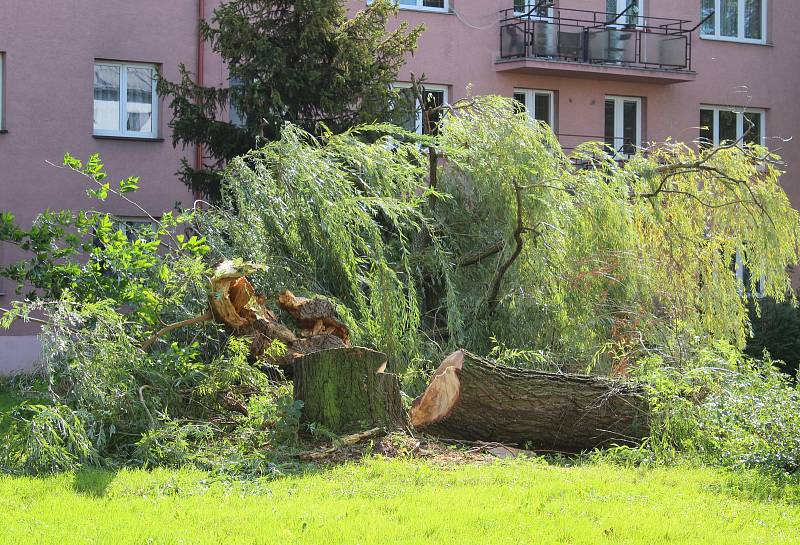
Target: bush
<point x="723" y="408"/>
<point x="776" y="330"/>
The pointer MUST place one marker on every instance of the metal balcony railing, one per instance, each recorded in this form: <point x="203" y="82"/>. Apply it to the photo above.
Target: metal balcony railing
<point x="625" y="39"/>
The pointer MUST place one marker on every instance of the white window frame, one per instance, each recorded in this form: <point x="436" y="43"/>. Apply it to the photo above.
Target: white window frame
<point x="619" y="118"/>
<point x="123" y="132"/>
<point x="421" y="7"/>
<point x="621" y="6"/>
<point x="740" y="38"/>
<point x="739" y="121"/>
<point x="417" y="106"/>
<point x="739" y="272"/>
<point x="529" y="4"/>
<point x="530" y="96"/>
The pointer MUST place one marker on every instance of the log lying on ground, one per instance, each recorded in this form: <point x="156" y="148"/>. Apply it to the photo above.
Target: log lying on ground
<point x="473" y="399"/>
<point x="347" y="389"/>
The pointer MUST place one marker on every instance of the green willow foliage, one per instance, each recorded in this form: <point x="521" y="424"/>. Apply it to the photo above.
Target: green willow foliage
<point x="336" y="217"/>
<point x="580" y="257"/>
<point x="513" y="248"/>
<point x="613" y="257"/>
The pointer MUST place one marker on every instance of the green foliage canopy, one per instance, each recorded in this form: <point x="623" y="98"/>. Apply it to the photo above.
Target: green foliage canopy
<point x="303" y="62"/>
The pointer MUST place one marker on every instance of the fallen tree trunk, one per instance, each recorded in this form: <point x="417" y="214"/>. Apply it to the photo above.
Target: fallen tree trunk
<point x="473" y="399"/>
<point x="347" y="389"/>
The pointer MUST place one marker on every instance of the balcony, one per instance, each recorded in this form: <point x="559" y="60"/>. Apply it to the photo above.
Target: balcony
<point x="598" y="45"/>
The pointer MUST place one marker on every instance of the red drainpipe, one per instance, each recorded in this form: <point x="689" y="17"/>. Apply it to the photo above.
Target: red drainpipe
<point x="201" y="12"/>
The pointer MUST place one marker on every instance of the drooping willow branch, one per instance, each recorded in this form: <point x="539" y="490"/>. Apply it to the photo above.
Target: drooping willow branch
<point x="492" y="298"/>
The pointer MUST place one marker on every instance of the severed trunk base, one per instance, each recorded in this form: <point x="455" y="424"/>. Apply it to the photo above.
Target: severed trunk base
<point x="473" y="399"/>
<point x="347" y="389"/>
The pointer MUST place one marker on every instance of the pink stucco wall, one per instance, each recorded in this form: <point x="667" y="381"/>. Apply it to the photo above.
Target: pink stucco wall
<point x="453" y="52"/>
<point x="50" y="47"/>
<point x="49" y="50"/>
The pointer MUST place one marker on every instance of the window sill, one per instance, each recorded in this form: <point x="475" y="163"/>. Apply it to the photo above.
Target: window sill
<point x="744" y="41"/>
<point x="132" y="138"/>
<point x="3" y="131"/>
<point x="427" y="10"/>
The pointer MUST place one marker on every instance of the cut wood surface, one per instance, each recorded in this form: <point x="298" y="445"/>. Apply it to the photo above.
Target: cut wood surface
<point x="347" y="389"/>
<point x="474" y="399"/>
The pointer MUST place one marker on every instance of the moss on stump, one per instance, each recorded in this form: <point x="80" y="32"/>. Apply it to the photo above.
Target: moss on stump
<point x="346" y="389"/>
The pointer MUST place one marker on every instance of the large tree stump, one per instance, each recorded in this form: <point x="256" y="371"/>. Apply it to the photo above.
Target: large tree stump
<point x="470" y="398"/>
<point x="347" y="389"/>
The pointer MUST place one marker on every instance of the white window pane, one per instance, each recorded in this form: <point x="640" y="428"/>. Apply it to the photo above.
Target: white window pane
<point x="106" y="97"/>
<point x="706" y="9"/>
<point x="752" y="128"/>
<point x="752" y="19"/>
<point x="542" y="107"/>
<point x="139" y="114"/>
<point x="729" y="18"/>
<point x="727" y="126"/>
<point x="408" y="3"/>
<point x="408" y="117"/>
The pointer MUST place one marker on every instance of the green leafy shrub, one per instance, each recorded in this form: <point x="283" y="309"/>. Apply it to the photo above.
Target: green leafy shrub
<point x="776" y="330"/>
<point x="47" y="439"/>
<point x="724" y="408"/>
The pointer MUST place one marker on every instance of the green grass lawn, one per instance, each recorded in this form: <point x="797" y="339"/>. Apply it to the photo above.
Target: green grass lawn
<point x="381" y="501"/>
<point x="395" y="501"/>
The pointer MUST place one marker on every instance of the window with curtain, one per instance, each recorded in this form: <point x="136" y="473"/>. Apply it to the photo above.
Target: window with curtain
<point x="720" y="125"/>
<point x="738" y="20"/>
<point x="538" y="104"/>
<point x="631" y="17"/>
<point x="623" y="125"/>
<point x="125" y="100"/>
<point x="426" y="5"/>
<point x="534" y="7"/>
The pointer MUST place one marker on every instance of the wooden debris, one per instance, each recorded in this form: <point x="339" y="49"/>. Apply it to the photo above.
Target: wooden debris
<point x="470" y="398"/>
<point x="316" y="316"/>
<point x="341" y="443"/>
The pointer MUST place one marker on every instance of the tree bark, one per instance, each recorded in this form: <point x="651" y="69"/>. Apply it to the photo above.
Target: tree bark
<point x="473" y="399"/>
<point x="347" y="389"/>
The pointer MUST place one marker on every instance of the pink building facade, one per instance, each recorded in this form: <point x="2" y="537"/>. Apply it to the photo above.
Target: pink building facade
<point x="74" y="77"/>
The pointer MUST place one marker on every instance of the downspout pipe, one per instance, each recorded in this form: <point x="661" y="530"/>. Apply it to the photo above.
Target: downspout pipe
<point x="201" y="14"/>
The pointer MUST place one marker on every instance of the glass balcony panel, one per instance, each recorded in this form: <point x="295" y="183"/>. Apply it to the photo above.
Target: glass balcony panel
<point x="545" y="39"/>
<point x="664" y="49"/>
<point x="513" y="40"/>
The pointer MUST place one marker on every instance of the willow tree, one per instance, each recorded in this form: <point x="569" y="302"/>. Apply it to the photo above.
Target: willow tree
<point x="588" y="257"/>
<point x="513" y="241"/>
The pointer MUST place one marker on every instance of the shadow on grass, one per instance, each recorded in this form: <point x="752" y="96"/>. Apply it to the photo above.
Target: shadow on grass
<point x="92" y="482"/>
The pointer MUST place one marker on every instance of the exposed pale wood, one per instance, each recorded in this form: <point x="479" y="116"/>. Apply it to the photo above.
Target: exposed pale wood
<point x="470" y="398"/>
